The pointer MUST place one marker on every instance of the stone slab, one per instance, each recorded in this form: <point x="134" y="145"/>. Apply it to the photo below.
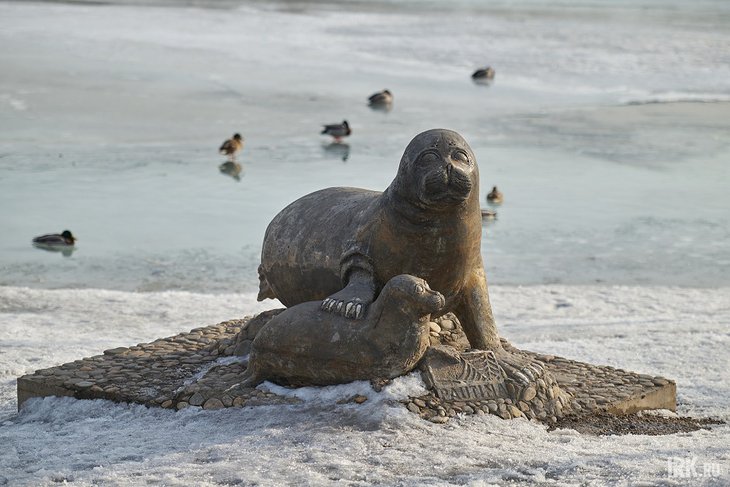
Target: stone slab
<point x="199" y="369"/>
<point x="166" y="372"/>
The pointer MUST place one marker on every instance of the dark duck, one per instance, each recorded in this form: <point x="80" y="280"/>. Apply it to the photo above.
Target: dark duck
<point x="495" y="196"/>
<point x="384" y="97"/>
<point x="483" y="75"/>
<point x="55" y="239"/>
<point x="337" y="130"/>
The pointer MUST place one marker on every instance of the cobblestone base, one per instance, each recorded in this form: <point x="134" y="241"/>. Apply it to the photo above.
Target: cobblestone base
<point x="201" y="369"/>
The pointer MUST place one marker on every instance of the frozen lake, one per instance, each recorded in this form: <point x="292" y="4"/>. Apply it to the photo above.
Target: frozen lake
<point x="607" y="130"/>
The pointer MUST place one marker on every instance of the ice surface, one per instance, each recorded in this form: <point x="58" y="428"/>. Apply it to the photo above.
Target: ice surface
<point x="596" y="129"/>
<point x="679" y="333"/>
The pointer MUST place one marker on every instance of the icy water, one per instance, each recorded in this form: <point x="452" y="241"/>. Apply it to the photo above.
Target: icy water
<point x="607" y="128"/>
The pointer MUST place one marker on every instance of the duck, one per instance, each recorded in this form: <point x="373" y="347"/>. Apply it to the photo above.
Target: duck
<point x="483" y="74"/>
<point x="337" y="130"/>
<point x="231" y="147"/>
<point x="495" y="197"/>
<point x="384" y="97"/>
<point x="64" y="238"/>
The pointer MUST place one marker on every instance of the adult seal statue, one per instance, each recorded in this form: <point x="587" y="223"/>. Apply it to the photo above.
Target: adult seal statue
<point x="341" y="245"/>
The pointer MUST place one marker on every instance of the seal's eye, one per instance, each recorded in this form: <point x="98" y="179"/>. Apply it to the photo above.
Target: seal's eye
<point x="429" y="156"/>
<point x="460" y="155"/>
<point x="419" y="289"/>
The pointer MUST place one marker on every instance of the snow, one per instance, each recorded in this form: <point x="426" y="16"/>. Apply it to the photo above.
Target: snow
<point x="679" y="333"/>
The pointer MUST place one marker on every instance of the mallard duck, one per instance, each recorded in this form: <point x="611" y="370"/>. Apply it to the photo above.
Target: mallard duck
<point x="495" y="196"/>
<point x="55" y="239"/>
<point x="384" y="97"/>
<point x="231" y="147"/>
<point x="337" y="130"/>
<point x="483" y="74"/>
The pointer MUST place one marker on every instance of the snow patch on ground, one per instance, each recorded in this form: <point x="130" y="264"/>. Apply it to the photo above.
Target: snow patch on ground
<point x="679" y="333"/>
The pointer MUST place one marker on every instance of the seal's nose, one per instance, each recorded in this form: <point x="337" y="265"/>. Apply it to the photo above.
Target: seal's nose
<point x="449" y="168"/>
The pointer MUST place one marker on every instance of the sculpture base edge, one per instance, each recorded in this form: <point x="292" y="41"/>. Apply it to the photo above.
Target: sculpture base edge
<point x="200" y="369"/>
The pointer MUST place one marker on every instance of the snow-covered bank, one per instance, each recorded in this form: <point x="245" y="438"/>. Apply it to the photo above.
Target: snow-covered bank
<point x="678" y="333"/>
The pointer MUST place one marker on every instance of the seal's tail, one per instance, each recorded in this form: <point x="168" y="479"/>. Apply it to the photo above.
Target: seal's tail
<point x="265" y="291"/>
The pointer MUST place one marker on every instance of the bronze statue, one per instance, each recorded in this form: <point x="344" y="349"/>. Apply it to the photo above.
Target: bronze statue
<point x="305" y="345"/>
<point x="341" y="245"/>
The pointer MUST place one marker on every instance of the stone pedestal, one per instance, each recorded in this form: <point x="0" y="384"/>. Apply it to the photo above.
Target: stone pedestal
<point x="200" y="369"/>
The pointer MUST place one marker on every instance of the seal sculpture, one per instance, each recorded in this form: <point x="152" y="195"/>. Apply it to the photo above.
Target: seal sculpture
<point x="341" y="245"/>
<point x="306" y="345"/>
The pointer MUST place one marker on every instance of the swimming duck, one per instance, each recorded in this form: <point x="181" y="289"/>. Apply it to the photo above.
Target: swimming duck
<point x="483" y="74"/>
<point x="337" y="130"/>
<point x="384" y="97"/>
<point x="231" y="147"/>
<point x="495" y="196"/>
<point x="55" y="239"/>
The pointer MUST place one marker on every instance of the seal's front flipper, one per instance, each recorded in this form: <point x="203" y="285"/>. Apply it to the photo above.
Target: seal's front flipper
<point x="354" y="299"/>
<point x="354" y="308"/>
<point x="351" y="302"/>
<point x="523" y="369"/>
<point x="475" y="312"/>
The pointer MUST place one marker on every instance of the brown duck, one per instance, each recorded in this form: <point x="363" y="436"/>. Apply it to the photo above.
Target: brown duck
<point x="231" y="147"/>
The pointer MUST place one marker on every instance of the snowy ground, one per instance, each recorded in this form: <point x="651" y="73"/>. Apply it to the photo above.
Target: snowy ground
<point x="679" y="333"/>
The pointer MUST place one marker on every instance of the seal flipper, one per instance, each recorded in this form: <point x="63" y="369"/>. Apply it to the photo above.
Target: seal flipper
<point x="475" y="314"/>
<point x="357" y="271"/>
<point x="354" y="300"/>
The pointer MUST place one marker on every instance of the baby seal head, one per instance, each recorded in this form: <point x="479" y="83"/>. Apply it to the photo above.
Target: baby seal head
<point x="415" y="292"/>
<point x="438" y="170"/>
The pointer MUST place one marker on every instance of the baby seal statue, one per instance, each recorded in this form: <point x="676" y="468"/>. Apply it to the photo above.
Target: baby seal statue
<point x="306" y="345"/>
<point x="341" y="245"/>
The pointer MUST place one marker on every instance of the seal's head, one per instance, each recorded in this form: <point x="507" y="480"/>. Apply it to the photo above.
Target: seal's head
<point x="438" y="170"/>
<point x="415" y="293"/>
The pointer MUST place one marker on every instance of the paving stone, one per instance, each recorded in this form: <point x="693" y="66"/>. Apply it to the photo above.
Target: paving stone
<point x="213" y="403"/>
<point x="528" y="393"/>
<point x="447" y="324"/>
<point x="413" y="408"/>
<point x="514" y="412"/>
